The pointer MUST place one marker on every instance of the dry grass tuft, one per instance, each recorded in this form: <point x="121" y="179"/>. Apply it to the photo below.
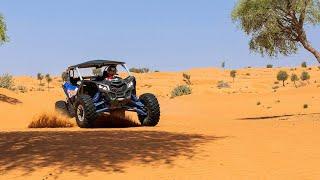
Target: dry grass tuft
<point x="50" y="120"/>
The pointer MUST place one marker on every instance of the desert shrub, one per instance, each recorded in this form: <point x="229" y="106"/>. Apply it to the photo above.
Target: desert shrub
<point x="40" y="78"/>
<point x="6" y="81"/>
<point x="269" y="66"/>
<point x="233" y="74"/>
<point x="48" y="79"/>
<point x="310" y="68"/>
<point x="275" y="87"/>
<point x="180" y="91"/>
<point x="222" y="84"/>
<point x="64" y="76"/>
<point x="305" y="76"/>
<point x="223" y="64"/>
<point x="282" y="76"/>
<point x="304" y="64"/>
<point x="258" y="103"/>
<point x="276" y="82"/>
<point x="139" y="70"/>
<point x="186" y="78"/>
<point x="248" y="74"/>
<point x="22" y="89"/>
<point x="305" y="106"/>
<point x="294" y="78"/>
<point x="156" y="71"/>
<point x="50" y="120"/>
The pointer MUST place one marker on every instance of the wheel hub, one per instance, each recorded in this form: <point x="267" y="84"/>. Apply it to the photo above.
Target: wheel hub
<point x="80" y="113"/>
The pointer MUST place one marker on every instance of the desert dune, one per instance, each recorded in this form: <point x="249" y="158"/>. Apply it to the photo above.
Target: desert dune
<point x="255" y="129"/>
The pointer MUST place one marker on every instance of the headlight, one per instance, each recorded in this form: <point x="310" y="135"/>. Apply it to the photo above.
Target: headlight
<point x="130" y="84"/>
<point x="104" y="87"/>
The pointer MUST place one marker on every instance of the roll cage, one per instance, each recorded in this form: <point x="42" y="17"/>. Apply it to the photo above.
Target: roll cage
<point x="94" y="64"/>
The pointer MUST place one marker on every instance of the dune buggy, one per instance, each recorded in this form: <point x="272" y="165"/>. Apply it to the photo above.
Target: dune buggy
<point x="90" y="93"/>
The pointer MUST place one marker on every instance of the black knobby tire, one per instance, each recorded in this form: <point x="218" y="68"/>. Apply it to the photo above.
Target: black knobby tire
<point x="61" y="106"/>
<point x="89" y="114"/>
<point x="153" y="108"/>
<point x="71" y="110"/>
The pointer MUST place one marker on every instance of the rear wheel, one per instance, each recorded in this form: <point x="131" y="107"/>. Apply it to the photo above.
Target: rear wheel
<point x="85" y="111"/>
<point x="153" y="110"/>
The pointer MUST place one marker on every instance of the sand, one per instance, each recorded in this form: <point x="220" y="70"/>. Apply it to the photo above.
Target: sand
<point x="211" y="134"/>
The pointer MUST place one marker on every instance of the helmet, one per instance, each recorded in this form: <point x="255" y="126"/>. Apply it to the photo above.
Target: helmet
<point x="111" y="70"/>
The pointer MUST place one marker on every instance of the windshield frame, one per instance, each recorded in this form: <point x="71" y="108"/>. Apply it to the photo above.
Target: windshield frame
<point x="77" y="69"/>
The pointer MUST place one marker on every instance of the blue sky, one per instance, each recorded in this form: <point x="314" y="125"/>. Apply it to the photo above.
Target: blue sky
<point x="47" y="36"/>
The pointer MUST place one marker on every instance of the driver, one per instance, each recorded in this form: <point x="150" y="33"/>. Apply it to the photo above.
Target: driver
<point x="110" y="73"/>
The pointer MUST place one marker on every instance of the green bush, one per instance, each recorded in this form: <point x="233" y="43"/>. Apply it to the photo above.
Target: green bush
<point x="139" y="70"/>
<point x="180" y="91"/>
<point x="282" y="76"/>
<point x="6" y="81"/>
<point x="40" y="77"/>
<point x="49" y="80"/>
<point x="269" y="66"/>
<point x="304" y="64"/>
<point x="294" y="78"/>
<point x="233" y="74"/>
<point x="305" y="76"/>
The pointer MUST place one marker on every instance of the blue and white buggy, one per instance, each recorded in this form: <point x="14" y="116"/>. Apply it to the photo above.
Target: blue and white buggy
<point x="90" y="95"/>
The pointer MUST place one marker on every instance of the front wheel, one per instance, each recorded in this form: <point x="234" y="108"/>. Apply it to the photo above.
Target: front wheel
<point x="61" y="106"/>
<point x="65" y="108"/>
<point x="85" y="111"/>
<point x="153" y="110"/>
